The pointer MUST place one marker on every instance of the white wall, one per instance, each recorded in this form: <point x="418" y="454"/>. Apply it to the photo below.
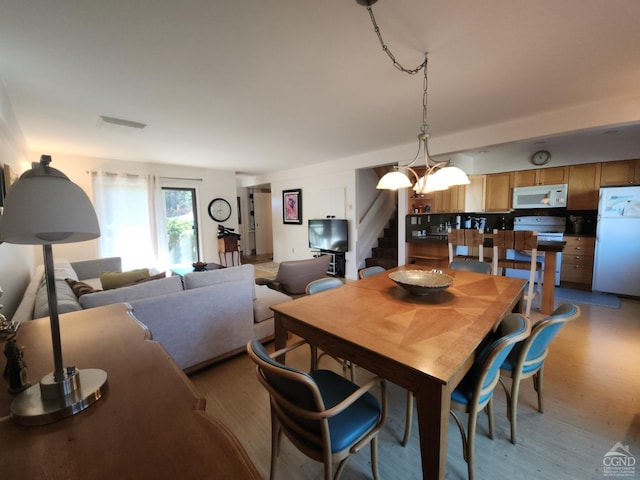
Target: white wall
<point x="16" y="261"/>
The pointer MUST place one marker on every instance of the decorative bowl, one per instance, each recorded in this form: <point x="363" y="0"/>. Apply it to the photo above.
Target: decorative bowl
<point x="199" y="266"/>
<point x="421" y="282"/>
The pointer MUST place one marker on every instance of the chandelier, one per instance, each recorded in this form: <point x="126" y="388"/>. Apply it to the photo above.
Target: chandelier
<point x="438" y="175"/>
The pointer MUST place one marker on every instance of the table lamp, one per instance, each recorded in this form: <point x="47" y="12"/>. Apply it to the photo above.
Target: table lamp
<point x="44" y="207"/>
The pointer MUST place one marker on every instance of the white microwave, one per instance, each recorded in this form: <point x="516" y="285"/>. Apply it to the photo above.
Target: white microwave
<point x="540" y="196"/>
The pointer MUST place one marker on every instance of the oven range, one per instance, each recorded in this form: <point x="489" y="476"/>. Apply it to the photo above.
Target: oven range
<point x="550" y="229"/>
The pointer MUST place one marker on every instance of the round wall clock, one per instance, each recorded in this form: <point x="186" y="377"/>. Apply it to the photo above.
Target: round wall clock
<point x="219" y="209"/>
<point x="541" y="157"/>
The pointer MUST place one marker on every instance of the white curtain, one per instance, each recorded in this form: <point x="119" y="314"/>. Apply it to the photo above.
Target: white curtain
<point x="131" y="217"/>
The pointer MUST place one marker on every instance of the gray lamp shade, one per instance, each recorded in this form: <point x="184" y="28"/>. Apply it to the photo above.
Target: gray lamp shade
<point x="45" y="207"/>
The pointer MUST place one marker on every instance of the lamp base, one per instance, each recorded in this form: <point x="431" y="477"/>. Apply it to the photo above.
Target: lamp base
<point x="52" y="400"/>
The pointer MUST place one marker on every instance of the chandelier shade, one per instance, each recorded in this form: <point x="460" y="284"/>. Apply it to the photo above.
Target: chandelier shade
<point x="394" y="181"/>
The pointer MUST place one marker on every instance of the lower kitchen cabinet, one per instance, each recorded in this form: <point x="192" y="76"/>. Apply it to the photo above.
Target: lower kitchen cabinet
<point x="577" y="261"/>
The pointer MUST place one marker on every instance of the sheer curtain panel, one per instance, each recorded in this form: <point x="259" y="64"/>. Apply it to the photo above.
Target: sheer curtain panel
<point x="128" y="213"/>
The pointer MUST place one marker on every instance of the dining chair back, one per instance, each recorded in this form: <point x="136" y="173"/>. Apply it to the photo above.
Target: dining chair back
<point x="473" y="239"/>
<point x="524" y="241"/>
<point x="471" y="266"/>
<point x="527" y="358"/>
<point x="368" y="271"/>
<point x="323" y="284"/>
<point x="324" y="415"/>
<point x="475" y="391"/>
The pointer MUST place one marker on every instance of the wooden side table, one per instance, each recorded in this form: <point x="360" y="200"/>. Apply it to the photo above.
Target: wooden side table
<point x="229" y="246"/>
<point x="151" y="423"/>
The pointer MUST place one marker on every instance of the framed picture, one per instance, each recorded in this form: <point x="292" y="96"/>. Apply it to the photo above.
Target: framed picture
<point x="292" y="206"/>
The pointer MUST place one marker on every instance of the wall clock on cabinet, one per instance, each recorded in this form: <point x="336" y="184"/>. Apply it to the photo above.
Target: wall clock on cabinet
<point x="541" y="157"/>
<point x="219" y="210"/>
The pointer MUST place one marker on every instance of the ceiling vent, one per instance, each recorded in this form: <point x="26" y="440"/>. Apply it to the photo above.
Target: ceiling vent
<point x="120" y="122"/>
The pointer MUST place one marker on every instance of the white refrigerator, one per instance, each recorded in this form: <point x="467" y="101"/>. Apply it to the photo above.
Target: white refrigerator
<point x="617" y="257"/>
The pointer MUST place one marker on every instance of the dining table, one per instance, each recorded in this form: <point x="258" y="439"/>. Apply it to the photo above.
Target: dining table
<point x="423" y="343"/>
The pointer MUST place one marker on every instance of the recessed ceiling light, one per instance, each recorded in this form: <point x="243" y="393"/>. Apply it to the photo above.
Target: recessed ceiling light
<point x="120" y="122"/>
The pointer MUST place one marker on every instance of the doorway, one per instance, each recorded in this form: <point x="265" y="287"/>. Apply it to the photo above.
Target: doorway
<point x="263" y="227"/>
<point x="181" y="225"/>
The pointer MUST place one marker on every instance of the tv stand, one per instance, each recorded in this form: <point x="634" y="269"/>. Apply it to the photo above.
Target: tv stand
<point x="337" y="263"/>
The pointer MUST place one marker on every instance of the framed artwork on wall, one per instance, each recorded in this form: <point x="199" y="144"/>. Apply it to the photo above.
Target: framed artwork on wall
<point x="292" y="206"/>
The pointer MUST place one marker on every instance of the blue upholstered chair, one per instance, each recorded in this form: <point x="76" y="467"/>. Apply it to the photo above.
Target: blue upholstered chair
<point x="323" y="284"/>
<point x="318" y="286"/>
<point x="324" y="415"/>
<point x="527" y="358"/>
<point x="368" y="271"/>
<point x="471" y="266"/>
<point x="475" y="391"/>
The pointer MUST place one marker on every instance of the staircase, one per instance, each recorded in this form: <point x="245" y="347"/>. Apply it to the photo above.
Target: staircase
<point x="386" y="253"/>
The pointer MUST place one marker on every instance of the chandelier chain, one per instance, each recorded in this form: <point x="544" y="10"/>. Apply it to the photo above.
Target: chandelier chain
<point x="385" y="49"/>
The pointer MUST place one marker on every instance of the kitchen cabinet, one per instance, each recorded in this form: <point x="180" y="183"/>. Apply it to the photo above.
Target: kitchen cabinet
<point x="620" y="173"/>
<point x="450" y="200"/>
<point x="540" y="176"/>
<point x="584" y="183"/>
<point x="577" y="261"/>
<point x="474" y="194"/>
<point x="498" y="192"/>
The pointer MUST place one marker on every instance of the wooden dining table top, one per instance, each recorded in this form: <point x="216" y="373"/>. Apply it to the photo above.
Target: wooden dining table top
<point x="436" y="334"/>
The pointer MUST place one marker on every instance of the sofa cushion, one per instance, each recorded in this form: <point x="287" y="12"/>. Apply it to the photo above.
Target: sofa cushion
<point x="265" y="298"/>
<point x="80" y="288"/>
<point x="133" y="292"/>
<point x="111" y="280"/>
<point x="222" y="275"/>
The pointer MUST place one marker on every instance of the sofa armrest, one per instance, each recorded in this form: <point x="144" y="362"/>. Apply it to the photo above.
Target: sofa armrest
<point x="93" y="268"/>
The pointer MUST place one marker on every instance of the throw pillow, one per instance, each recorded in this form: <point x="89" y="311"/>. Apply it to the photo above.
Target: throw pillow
<point x="80" y="288"/>
<point x="157" y="276"/>
<point x="110" y="280"/>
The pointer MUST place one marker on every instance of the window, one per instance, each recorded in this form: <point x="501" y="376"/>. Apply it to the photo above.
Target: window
<point x="180" y="225"/>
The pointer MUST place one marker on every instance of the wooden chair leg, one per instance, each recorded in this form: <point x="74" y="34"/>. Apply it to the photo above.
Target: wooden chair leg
<point x="489" y="409"/>
<point x="408" y="419"/>
<point x="374" y="458"/>
<point x="537" y="383"/>
<point x="513" y="407"/>
<point x="275" y="445"/>
<point x="471" y="439"/>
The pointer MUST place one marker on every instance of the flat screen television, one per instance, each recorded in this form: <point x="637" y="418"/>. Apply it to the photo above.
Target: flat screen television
<point x="329" y="234"/>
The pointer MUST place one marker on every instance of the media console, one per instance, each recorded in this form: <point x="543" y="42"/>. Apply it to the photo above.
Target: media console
<point x="337" y="263"/>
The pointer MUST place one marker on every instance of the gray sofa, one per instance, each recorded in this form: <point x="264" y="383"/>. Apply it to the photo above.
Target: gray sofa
<point x="294" y="275"/>
<point x="199" y="319"/>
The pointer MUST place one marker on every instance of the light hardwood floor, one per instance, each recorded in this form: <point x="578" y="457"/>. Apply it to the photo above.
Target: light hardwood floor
<point x="592" y="401"/>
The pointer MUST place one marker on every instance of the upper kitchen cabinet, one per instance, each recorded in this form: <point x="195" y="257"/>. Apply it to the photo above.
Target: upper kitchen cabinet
<point x="450" y="200"/>
<point x="620" y="173"/>
<point x="540" y="176"/>
<point x="474" y="194"/>
<point x="498" y="192"/>
<point x="584" y="182"/>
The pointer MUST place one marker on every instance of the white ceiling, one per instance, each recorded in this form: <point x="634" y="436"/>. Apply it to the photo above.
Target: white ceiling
<point x="261" y="85"/>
